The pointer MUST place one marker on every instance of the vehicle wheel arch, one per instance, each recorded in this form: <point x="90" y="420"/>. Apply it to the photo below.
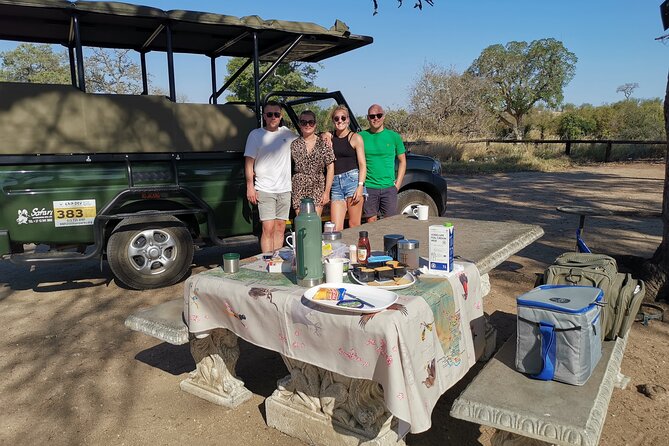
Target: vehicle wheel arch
<point x="145" y="207"/>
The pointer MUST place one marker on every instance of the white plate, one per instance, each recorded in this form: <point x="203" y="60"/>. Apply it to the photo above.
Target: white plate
<point x="382" y="285"/>
<point x="379" y="299"/>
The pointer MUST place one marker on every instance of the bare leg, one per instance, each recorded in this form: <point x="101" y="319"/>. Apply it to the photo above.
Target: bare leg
<point x="372" y="218"/>
<point x="319" y="210"/>
<point x="279" y="229"/>
<point x="354" y="212"/>
<point x="338" y="214"/>
<point x="267" y="237"/>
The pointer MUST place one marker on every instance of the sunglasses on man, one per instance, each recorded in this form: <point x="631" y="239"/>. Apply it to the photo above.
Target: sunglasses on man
<point x="339" y="118"/>
<point x="273" y="114"/>
<point x="375" y="116"/>
<point x="307" y="122"/>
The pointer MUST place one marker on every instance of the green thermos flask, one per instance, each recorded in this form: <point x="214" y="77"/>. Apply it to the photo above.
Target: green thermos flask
<point x="308" y="245"/>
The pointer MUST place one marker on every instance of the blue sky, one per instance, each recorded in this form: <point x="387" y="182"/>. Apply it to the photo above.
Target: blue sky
<point x="613" y="40"/>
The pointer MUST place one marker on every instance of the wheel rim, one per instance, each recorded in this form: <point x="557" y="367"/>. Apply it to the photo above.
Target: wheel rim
<point x="152" y="251"/>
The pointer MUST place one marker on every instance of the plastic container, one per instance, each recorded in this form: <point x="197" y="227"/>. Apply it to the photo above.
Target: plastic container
<point x="353" y="253"/>
<point x="390" y="244"/>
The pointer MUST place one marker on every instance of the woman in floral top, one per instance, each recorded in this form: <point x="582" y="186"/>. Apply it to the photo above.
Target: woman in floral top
<point x="314" y="168"/>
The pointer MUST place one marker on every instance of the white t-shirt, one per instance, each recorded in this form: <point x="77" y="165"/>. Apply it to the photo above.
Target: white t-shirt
<point x="271" y="151"/>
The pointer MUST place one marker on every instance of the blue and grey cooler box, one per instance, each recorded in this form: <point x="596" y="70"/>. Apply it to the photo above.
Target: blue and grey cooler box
<point x="559" y="332"/>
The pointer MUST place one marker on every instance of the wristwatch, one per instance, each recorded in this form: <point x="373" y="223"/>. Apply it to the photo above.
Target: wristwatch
<point x="360" y="183"/>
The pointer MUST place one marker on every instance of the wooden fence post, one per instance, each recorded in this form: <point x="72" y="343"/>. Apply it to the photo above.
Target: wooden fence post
<point x="567" y="149"/>
<point x="607" y="154"/>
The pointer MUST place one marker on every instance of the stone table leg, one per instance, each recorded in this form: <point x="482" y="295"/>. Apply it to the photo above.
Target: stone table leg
<point x="214" y="377"/>
<point x="324" y="408"/>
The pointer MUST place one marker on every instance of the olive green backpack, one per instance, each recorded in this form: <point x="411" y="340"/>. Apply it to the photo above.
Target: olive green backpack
<point x="622" y="293"/>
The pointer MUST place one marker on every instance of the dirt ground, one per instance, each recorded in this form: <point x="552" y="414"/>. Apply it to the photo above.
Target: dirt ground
<point x="71" y="373"/>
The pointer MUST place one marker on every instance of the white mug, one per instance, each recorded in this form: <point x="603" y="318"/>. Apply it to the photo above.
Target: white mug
<point x="290" y="240"/>
<point x="420" y="211"/>
<point x="334" y="270"/>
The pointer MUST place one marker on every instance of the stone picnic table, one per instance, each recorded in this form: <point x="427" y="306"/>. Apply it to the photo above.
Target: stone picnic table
<point x="354" y="378"/>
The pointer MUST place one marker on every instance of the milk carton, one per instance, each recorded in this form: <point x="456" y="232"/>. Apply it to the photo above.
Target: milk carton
<point x="441" y="247"/>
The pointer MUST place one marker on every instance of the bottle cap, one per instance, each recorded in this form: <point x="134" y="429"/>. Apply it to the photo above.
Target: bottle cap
<point x="335" y="235"/>
<point x="363" y="234"/>
<point x="407" y="244"/>
<point x="231" y="256"/>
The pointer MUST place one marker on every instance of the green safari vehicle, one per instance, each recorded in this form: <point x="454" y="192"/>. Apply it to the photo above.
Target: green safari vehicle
<point x="141" y="179"/>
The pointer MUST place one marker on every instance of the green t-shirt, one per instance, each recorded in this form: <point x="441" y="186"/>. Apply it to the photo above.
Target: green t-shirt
<point x="381" y="149"/>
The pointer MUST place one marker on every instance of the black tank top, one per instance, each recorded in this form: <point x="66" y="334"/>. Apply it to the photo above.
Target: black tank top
<point x="345" y="154"/>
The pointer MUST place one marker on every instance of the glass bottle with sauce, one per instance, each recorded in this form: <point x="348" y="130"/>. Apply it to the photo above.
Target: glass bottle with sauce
<point x="363" y="248"/>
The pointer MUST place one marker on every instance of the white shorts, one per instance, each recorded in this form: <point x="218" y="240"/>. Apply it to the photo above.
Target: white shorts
<point x="273" y="206"/>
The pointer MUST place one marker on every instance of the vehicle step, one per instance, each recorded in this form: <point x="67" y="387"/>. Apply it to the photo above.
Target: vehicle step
<point x="32" y="257"/>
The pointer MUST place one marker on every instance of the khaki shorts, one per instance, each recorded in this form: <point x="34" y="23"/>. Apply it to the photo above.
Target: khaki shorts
<point x="273" y="206"/>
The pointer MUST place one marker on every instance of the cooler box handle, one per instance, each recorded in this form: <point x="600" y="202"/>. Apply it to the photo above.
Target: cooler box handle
<point x="548" y="352"/>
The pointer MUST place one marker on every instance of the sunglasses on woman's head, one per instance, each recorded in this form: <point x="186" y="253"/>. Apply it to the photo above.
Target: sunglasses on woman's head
<point x="273" y="114"/>
<point x="305" y="122"/>
<point x="339" y="118"/>
<point x="375" y="115"/>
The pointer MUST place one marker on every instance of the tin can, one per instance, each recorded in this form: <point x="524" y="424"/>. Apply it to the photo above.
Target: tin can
<point x="407" y="253"/>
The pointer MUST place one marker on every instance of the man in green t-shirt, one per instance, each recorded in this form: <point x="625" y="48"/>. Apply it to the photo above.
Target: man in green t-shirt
<point x="382" y="146"/>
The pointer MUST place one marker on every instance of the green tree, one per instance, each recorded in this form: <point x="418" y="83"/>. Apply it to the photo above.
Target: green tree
<point x="34" y="63"/>
<point x="106" y="71"/>
<point x="523" y="74"/>
<point x="543" y="122"/>
<point x="573" y="125"/>
<point x="637" y="119"/>
<point x="290" y="76"/>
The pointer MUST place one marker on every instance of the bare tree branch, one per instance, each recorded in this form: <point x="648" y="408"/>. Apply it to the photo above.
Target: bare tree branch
<point x="418" y="4"/>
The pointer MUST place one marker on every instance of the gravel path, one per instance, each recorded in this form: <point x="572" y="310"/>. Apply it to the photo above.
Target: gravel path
<point x="73" y="374"/>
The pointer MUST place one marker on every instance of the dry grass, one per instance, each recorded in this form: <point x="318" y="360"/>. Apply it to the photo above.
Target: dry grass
<point x="459" y="157"/>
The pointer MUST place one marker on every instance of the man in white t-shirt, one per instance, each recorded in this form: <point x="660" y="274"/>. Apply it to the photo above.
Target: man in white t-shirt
<point x="267" y="169"/>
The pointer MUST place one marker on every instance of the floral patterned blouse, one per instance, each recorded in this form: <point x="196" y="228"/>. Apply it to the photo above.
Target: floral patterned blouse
<point x="309" y="174"/>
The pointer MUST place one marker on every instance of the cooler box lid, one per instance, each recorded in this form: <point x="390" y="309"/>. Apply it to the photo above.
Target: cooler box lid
<point x="565" y="298"/>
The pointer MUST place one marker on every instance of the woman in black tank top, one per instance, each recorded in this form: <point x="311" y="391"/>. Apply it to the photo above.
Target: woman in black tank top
<point x="348" y="191"/>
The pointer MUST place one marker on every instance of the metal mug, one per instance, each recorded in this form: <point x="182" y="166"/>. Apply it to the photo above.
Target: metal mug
<point x="231" y="262"/>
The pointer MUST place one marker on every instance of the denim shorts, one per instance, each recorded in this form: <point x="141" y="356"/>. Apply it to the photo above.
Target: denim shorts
<point x="344" y="185"/>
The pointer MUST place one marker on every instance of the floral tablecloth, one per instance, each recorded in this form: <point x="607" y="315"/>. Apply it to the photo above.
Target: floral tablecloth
<point x="416" y="349"/>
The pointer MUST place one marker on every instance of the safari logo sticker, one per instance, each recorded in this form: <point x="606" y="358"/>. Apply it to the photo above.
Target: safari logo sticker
<point x="36" y="215"/>
<point x="74" y="213"/>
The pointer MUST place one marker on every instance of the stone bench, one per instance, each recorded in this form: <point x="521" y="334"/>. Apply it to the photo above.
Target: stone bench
<point x="530" y="412"/>
<point x="163" y="321"/>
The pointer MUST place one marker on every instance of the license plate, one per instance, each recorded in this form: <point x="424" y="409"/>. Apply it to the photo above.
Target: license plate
<point x="74" y="212"/>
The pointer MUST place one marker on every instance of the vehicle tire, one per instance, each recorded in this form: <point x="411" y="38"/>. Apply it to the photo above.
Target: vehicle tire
<point x="413" y="197"/>
<point x="150" y="252"/>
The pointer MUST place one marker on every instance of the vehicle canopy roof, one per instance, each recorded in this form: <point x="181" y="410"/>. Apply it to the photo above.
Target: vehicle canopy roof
<point x="122" y="25"/>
